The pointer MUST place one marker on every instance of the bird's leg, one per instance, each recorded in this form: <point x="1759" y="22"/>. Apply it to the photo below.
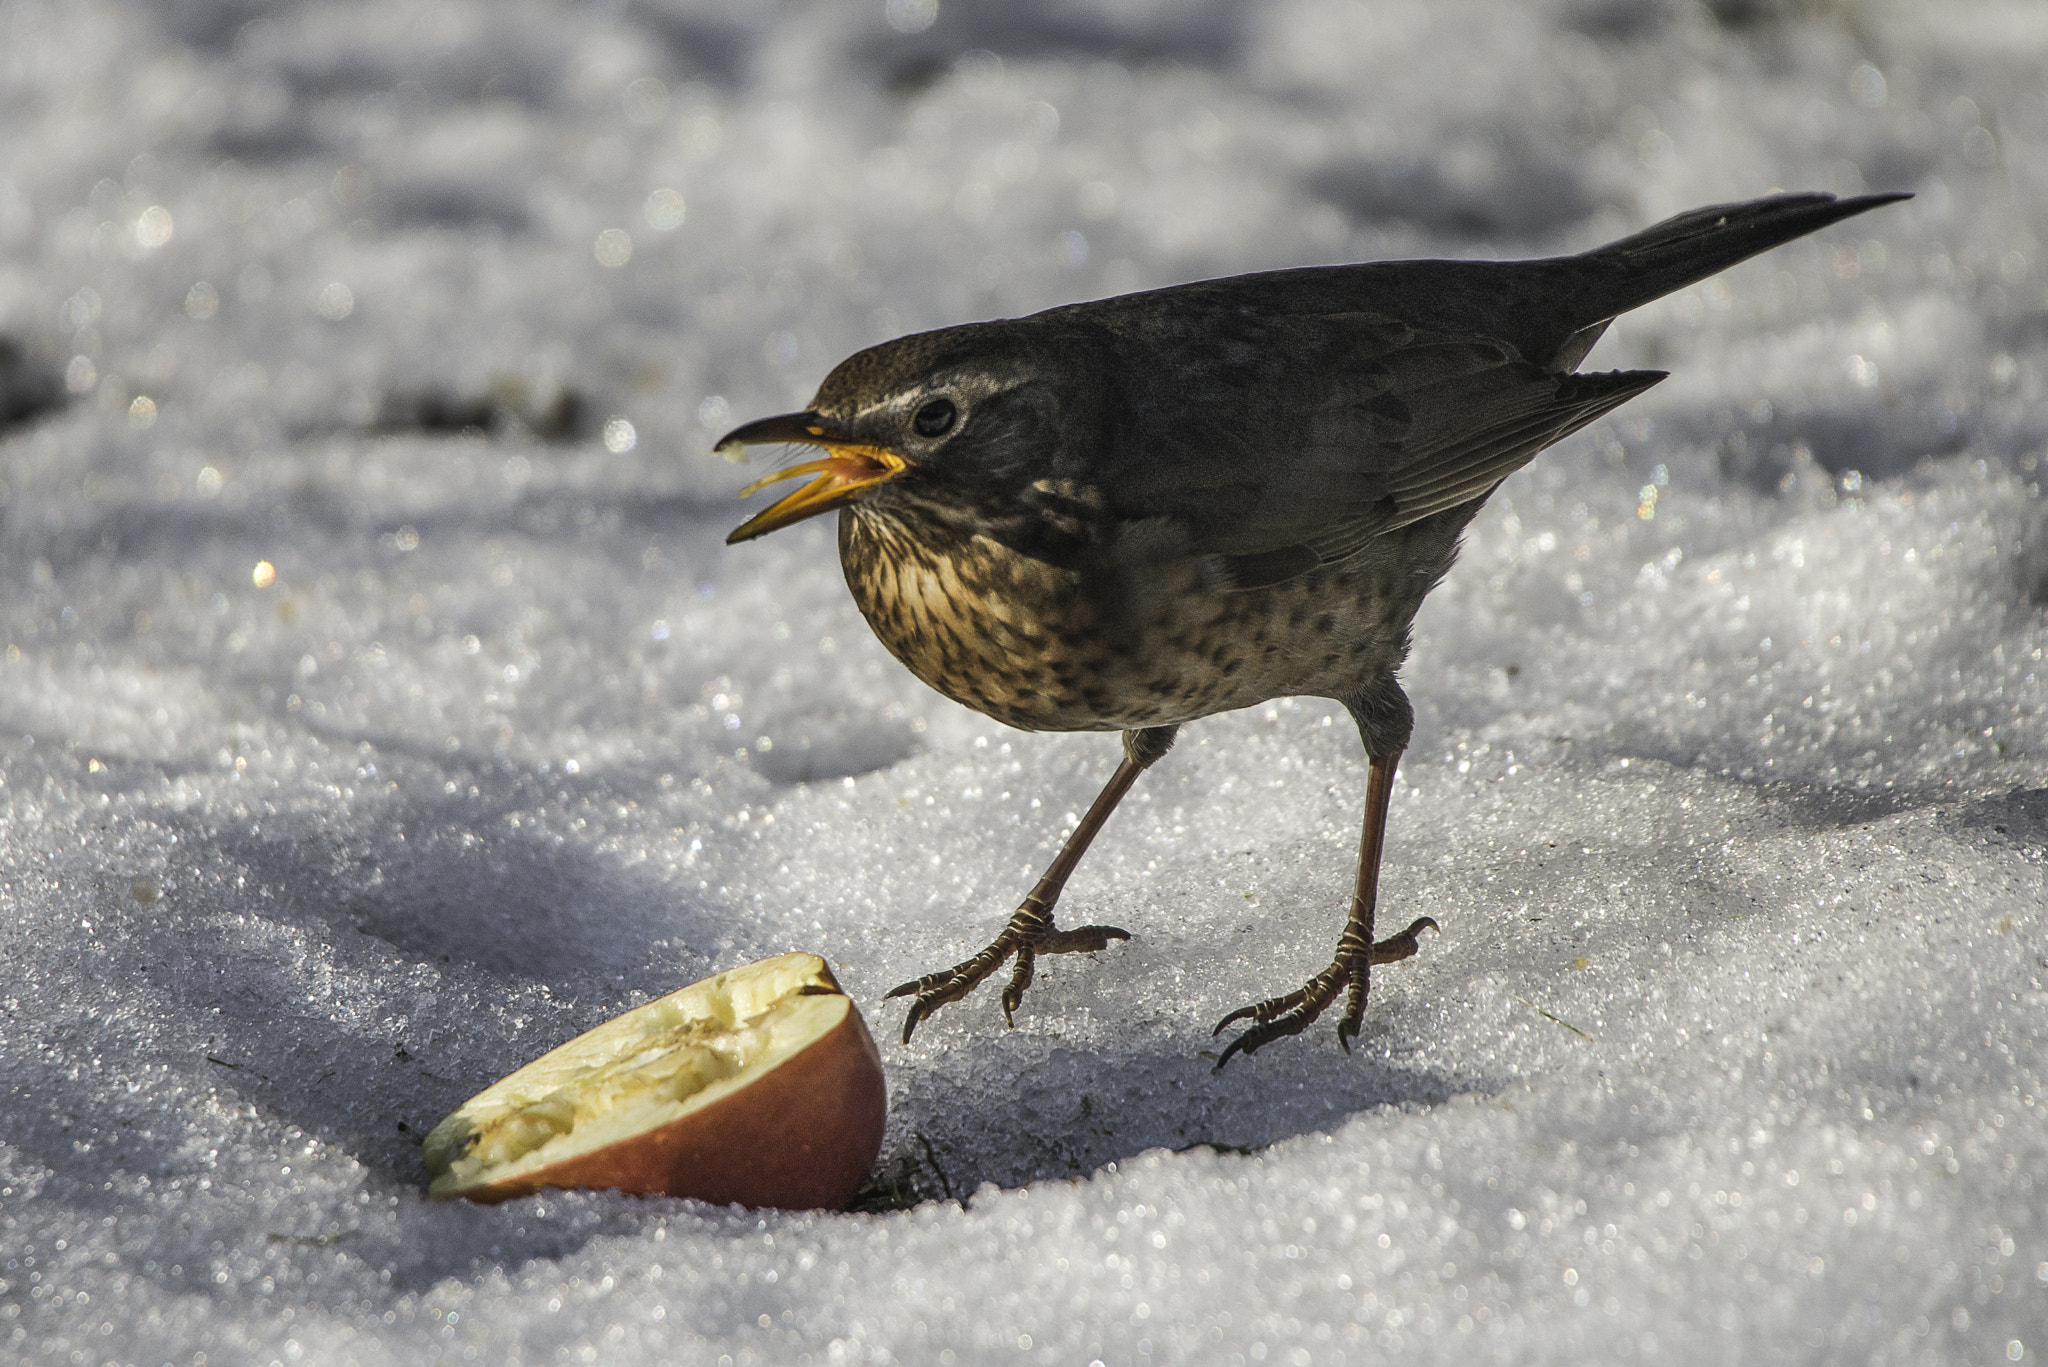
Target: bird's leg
<point x="1356" y="951"/>
<point x="1031" y="931"/>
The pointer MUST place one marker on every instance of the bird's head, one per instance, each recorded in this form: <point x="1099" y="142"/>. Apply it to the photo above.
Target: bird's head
<point x="957" y="417"/>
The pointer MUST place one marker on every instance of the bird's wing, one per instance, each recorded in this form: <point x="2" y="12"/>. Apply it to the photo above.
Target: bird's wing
<point x="1459" y="452"/>
<point x="1296" y="446"/>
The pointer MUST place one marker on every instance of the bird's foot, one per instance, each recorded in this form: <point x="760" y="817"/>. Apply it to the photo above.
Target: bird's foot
<point x="1293" y="1013"/>
<point x="1030" y="933"/>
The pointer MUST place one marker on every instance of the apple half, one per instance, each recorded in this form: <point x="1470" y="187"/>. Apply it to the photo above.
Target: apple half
<point x="759" y="1086"/>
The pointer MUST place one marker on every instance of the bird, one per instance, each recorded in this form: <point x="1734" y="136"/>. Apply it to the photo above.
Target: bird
<point x="1131" y="513"/>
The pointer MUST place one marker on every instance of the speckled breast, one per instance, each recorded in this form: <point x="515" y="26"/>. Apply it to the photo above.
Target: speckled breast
<point x="1002" y="633"/>
<point x="1123" y="645"/>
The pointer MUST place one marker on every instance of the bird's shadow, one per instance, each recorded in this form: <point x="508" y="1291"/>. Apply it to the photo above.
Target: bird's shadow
<point x="1067" y="1110"/>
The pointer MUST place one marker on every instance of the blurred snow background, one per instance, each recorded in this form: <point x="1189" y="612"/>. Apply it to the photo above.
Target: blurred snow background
<point x="379" y="706"/>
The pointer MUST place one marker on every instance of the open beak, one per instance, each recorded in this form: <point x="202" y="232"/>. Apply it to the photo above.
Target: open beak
<point x="848" y="470"/>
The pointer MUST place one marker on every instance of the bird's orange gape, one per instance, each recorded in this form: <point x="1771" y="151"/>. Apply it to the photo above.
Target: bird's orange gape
<point x="851" y="469"/>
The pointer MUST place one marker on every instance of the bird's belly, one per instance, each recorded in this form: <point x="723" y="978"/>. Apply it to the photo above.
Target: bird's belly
<point x="1198" y="651"/>
<point x="1046" y="649"/>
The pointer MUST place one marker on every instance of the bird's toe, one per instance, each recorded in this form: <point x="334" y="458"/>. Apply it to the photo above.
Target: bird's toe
<point x="1079" y="940"/>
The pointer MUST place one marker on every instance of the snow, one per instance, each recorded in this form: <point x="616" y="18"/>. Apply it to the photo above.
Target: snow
<point x="380" y="706"/>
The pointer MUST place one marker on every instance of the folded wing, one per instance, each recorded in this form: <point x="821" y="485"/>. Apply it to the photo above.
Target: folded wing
<point x="1383" y="426"/>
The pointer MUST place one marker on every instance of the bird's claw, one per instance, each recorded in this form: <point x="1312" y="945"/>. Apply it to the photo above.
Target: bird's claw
<point x="934" y="990"/>
<point x="1395" y="948"/>
<point x="1037" y="936"/>
<point x="1277" y="1016"/>
<point x="1080" y="940"/>
<point x="929" y="980"/>
<point x="1260" y="1012"/>
<point x="1296" y="1011"/>
<point x="1020" y="978"/>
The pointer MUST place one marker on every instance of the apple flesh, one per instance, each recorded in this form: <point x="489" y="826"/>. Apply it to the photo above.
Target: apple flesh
<point x="759" y="1086"/>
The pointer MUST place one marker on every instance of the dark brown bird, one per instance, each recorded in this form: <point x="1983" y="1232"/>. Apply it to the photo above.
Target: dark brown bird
<point x="1127" y="514"/>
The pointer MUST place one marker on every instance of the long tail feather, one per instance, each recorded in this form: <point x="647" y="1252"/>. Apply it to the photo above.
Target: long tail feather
<point x="1673" y="254"/>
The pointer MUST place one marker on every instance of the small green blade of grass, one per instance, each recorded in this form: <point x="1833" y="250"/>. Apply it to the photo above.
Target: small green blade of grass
<point x="1558" y="1019"/>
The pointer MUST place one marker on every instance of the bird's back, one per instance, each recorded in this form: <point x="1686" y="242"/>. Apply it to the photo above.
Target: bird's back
<point x="1539" y="308"/>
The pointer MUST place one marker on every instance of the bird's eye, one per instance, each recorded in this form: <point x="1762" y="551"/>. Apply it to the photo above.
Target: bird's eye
<point x="935" y="418"/>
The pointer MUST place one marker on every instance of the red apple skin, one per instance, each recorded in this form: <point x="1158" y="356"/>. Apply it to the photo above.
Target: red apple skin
<point x="802" y="1136"/>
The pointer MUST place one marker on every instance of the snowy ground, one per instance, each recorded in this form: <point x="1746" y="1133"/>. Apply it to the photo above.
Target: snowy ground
<point x="379" y="706"/>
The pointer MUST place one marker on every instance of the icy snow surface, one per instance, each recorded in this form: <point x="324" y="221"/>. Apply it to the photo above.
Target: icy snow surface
<point x="379" y="706"/>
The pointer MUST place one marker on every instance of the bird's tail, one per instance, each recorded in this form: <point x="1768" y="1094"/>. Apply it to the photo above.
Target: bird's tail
<point x="1673" y="254"/>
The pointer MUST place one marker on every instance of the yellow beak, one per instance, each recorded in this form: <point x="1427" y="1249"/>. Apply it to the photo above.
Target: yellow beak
<point x="849" y="470"/>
